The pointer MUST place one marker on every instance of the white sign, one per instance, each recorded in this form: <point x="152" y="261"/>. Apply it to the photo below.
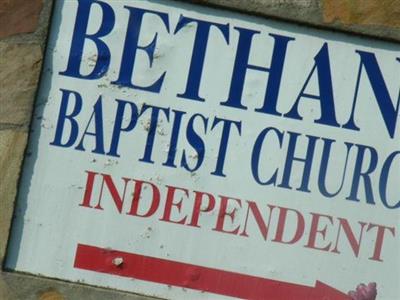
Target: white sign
<point x="193" y="153"/>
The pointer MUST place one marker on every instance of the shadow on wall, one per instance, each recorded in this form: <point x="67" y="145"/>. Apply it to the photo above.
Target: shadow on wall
<point x="34" y="135"/>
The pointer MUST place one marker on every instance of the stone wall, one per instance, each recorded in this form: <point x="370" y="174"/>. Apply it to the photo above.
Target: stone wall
<point x="23" y="30"/>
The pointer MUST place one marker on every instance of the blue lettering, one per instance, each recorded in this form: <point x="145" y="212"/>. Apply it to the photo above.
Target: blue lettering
<point x="63" y="116"/>
<point x="322" y="65"/>
<point x="132" y="45"/>
<point x="80" y="35"/>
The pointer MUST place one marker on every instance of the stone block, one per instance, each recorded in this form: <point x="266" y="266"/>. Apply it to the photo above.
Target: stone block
<point x="15" y="286"/>
<point x="363" y="12"/>
<point x="12" y="147"/>
<point x="19" y="16"/>
<point x="20" y="66"/>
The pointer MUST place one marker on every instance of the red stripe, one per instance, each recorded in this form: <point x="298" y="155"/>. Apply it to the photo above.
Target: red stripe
<point x="186" y="275"/>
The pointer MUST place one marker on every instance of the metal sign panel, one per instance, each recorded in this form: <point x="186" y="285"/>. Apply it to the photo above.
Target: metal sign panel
<point x="194" y="153"/>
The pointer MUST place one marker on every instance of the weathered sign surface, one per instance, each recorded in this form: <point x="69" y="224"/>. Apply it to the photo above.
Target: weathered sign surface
<point x="187" y="152"/>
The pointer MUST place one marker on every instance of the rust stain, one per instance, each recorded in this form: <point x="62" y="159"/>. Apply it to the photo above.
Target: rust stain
<point x="363" y="12"/>
<point x="51" y="295"/>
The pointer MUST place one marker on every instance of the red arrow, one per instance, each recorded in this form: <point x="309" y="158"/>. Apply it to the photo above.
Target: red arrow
<point x="197" y="277"/>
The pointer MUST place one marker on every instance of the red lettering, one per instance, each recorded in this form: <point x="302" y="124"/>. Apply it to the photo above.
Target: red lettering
<point x="169" y="203"/>
<point x="223" y="213"/>
<point x="252" y="206"/>
<point x="355" y="245"/>
<point x="137" y="195"/>
<point x="89" y="189"/>
<point x="380" y="235"/>
<point x="198" y="201"/>
<point x="283" y="212"/>
<point x="314" y="231"/>
<point x="118" y="200"/>
<point x="290" y="223"/>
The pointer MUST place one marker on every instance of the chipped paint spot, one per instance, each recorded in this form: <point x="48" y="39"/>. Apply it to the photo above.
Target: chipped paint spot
<point x="118" y="261"/>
